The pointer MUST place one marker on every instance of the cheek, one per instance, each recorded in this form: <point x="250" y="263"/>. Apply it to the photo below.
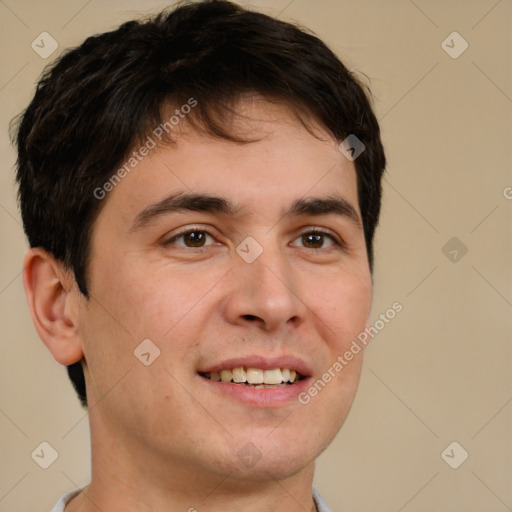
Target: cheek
<point x="342" y="307"/>
<point x="171" y="301"/>
<point x="150" y="300"/>
<point x="340" y="311"/>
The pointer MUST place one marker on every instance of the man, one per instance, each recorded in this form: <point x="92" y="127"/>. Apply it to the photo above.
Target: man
<point x="200" y="193"/>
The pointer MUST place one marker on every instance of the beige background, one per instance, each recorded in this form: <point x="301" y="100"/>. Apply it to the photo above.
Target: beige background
<point x="441" y="370"/>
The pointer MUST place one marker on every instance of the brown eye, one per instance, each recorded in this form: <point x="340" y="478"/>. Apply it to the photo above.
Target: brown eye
<point x="193" y="238"/>
<point x="315" y="240"/>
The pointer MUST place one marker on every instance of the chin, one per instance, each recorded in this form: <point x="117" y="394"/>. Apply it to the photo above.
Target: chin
<point x="275" y="454"/>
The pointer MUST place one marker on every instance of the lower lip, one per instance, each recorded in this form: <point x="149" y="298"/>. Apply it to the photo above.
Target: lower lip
<point x="262" y="397"/>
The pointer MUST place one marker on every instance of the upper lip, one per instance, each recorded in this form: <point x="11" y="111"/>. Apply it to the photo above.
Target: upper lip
<point x="263" y="363"/>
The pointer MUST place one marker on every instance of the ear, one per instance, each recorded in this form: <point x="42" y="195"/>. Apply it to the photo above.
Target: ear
<point x="53" y="299"/>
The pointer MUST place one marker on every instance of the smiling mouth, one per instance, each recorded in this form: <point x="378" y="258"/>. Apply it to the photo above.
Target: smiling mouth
<point x="255" y="377"/>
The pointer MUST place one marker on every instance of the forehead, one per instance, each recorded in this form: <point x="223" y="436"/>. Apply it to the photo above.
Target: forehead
<point x="281" y="162"/>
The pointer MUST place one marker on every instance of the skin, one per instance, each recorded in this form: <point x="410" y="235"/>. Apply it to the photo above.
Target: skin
<point x="163" y="440"/>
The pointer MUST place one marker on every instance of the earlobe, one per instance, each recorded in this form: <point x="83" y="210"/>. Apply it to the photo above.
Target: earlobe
<point x="52" y="298"/>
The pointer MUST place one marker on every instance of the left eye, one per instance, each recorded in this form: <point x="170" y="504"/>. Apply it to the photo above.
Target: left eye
<point x="316" y="240"/>
<point x="193" y="238"/>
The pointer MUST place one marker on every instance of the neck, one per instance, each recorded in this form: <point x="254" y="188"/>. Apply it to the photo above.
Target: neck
<point x="128" y="478"/>
<point x="115" y="495"/>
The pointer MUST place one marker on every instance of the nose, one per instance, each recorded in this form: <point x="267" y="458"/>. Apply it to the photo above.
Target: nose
<point x="265" y="294"/>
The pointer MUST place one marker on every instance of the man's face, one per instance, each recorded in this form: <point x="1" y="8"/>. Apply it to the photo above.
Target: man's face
<point x="171" y="262"/>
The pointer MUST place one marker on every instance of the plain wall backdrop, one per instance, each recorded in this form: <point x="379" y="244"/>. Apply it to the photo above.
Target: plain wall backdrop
<point x="440" y="371"/>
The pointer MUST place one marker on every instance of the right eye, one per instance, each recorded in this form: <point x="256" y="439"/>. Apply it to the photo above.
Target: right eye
<point x="192" y="238"/>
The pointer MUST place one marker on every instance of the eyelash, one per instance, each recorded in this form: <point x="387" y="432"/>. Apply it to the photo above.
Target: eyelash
<point x="312" y="231"/>
<point x="316" y="231"/>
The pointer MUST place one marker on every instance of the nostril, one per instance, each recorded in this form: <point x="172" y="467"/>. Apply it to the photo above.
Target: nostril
<point x="250" y="317"/>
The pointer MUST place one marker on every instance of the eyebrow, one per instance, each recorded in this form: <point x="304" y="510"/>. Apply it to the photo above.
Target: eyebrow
<point x="184" y="202"/>
<point x="325" y="206"/>
<point x="214" y="204"/>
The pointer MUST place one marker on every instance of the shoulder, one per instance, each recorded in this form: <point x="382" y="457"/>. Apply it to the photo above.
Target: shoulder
<point x="321" y="506"/>
<point x="61" y="504"/>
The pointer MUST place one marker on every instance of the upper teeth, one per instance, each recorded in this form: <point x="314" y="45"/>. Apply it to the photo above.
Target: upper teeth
<point x="255" y="375"/>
